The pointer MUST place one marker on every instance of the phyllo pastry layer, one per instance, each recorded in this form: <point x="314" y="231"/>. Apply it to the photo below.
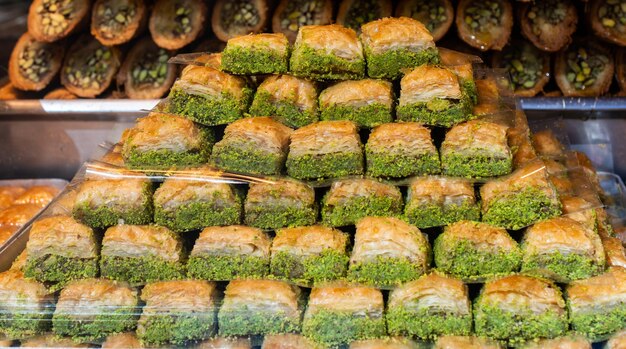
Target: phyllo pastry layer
<point x="256" y="54"/>
<point x="25" y="305"/>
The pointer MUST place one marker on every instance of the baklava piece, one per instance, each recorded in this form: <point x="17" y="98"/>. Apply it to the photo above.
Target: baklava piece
<point x="521" y="146"/>
<point x="52" y="341"/>
<point x="40" y="195"/>
<point x="115" y="22"/>
<point x="548" y="145"/>
<point x="52" y="20"/>
<point x="562" y="249"/>
<point x="325" y="149"/>
<point x="60" y="249"/>
<point x="232" y="252"/>
<point x="393" y="45"/>
<point x="521" y="199"/>
<point x="617" y="341"/>
<point x="92" y="309"/>
<point x="18" y="215"/>
<point x="161" y="141"/>
<point x="398" y="150"/>
<point x="260" y="307"/>
<point x="291" y="15"/>
<point x="310" y="254"/>
<point x="280" y="203"/>
<point x="122" y="341"/>
<point x="432" y="306"/>
<point x="101" y="203"/>
<point x="569" y="342"/>
<point x="607" y="20"/>
<point x="177" y="312"/>
<point x="349" y="200"/>
<point x="338" y="314"/>
<point x="240" y="17"/>
<point x="225" y="343"/>
<point x="288" y="341"/>
<point x="615" y="252"/>
<point x="184" y="204"/>
<point x="488" y="97"/>
<point x="476" y="149"/>
<point x="290" y="100"/>
<point x="528" y="68"/>
<point x="597" y="306"/>
<point x="433" y="96"/>
<point x="437" y="16"/>
<point x="387" y="343"/>
<point x="34" y="64"/>
<point x="368" y="102"/>
<point x="256" y="54"/>
<point x="485" y="24"/>
<point x="461" y="64"/>
<point x="175" y="24"/>
<point x="141" y="253"/>
<point x="473" y="250"/>
<point x="6" y="232"/>
<point x="584" y="69"/>
<point x="8" y="194"/>
<point x="549" y="25"/>
<point x="256" y="145"/>
<point x="465" y="342"/>
<point x="520" y="308"/>
<point x="327" y="52"/>
<point x="439" y="201"/>
<point x="25" y="305"/>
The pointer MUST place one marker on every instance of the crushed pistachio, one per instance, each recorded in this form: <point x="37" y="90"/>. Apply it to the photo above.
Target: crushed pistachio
<point x="483" y="14"/>
<point x="151" y="69"/>
<point x="524" y="64"/>
<point x="546" y="11"/>
<point x="182" y="20"/>
<point x="584" y="67"/>
<point x="362" y="12"/>
<point x="34" y="62"/>
<point x="431" y="13"/>
<point x="612" y="14"/>
<point x="55" y="15"/>
<point x="239" y="13"/>
<point x="89" y="72"/>
<point x="299" y="13"/>
<point x="113" y="19"/>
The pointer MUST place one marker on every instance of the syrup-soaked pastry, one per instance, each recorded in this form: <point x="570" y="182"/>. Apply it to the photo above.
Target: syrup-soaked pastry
<point x="33" y="64"/>
<point x="465" y="342"/>
<point x="584" y="69"/>
<point x="488" y="98"/>
<point x="617" y="341"/>
<point x="615" y="252"/>
<point x="256" y="54"/>
<point x="115" y="22"/>
<point x="528" y="67"/>
<point x="288" y="341"/>
<point x="291" y="15"/>
<point x="6" y="231"/>
<point x="145" y="72"/>
<point x="547" y="144"/>
<point x="18" y="215"/>
<point x="354" y="13"/>
<point x="549" y="24"/>
<point x="60" y="93"/>
<point x="462" y="65"/>
<point x="8" y="92"/>
<point x="175" y="24"/>
<point x="52" y="20"/>
<point x="607" y="19"/>
<point x="40" y="195"/>
<point x="121" y="341"/>
<point x="521" y="146"/>
<point x="8" y="194"/>
<point x="437" y="16"/>
<point x="484" y="24"/>
<point x="240" y="17"/>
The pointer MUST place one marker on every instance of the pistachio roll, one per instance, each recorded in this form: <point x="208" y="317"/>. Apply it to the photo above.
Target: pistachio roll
<point x="51" y="20"/>
<point x="89" y="67"/>
<point x="290" y="15"/>
<point x="608" y="20"/>
<point x="484" y="24"/>
<point x="549" y="24"/>
<point x="145" y="73"/>
<point x="528" y="68"/>
<point x="233" y="18"/>
<point x="584" y="69"/>
<point x="114" y="22"/>
<point x="354" y="13"/>
<point x="436" y="15"/>
<point x="34" y="64"/>
<point x="175" y="24"/>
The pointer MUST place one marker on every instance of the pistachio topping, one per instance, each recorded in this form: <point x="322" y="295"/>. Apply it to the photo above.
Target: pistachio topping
<point x="151" y="69"/>
<point x="182" y="20"/>
<point x="113" y="19"/>
<point x="546" y="11"/>
<point x="91" y="71"/>
<point x="55" y="15"/>
<point x="524" y="64"/>
<point x="612" y="14"/>
<point x="361" y="12"/>
<point x="239" y="13"/>
<point x="300" y="13"/>
<point x="584" y="67"/>
<point x="34" y="62"/>
<point x="482" y="14"/>
<point x="431" y="13"/>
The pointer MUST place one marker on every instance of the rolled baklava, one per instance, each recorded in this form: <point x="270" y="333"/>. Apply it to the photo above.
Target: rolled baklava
<point x="256" y="54"/>
<point x="528" y="68"/>
<point x="617" y="341"/>
<point x="25" y="305"/>
<point x="521" y="199"/>
<point x="240" y="17"/>
<point x="52" y="341"/>
<point x="393" y="45"/>
<point x="597" y="305"/>
<point x="608" y="21"/>
<point x="91" y="309"/>
<point x="432" y="306"/>
<point x="175" y="24"/>
<point x="232" y="252"/>
<point x="256" y="145"/>
<point x="311" y="254"/>
<point x="101" y="203"/>
<point x="52" y="20"/>
<point x="338" y="314"/>
<point x="115" y="22"/>
<point x="433" y="96"/>
<point x="397" y="150"/>
<point x="162" y="141"/>
<point x="260" y="307"/>
<point x="60" y="93"/>
<point x="177" y="312"/>
<point x="549" y="25"/>
<point x="325" y="149"/>
<point x="349" y="200"/>
<point x="439" y="201"/>
<point x="473" y="250"/>
<point x="124" y="340"/>
<point x="354" y="13"/>
<point x="288" y="341"/>
<point x="141" y="253"/>
<point x="291" y="100"/>
<point x="388" y="252"/>
<point x="40" y="195"/>
<point x="367" y="102"/>
<point x="34" y="64"/>
<point x="519" y="308"/>
<point x="569" y="342"/>
<point x="484" y="24"/>
<point x="291" y="15"/>
<point x="327" y="52"/>
<point x="282" y="203"/>
<point x="437" y="16"/>
<point x="615" y="252"/>
<point x="465" y="342"/>
<point x="584" y="69"/>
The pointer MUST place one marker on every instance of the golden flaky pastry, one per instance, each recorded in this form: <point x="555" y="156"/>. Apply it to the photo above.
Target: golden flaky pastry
<point x="617" y="341"/>
<point x="141" y="241"/>
<point x="325" y="137"/>
<point x="366" y="301"/>
<point x="18" y="215"/>
<point x="188" y="295"/>
<point x="234" y="239"/>
<point x="520" y="293"/>
<point x="385" y="343"/>
<point x="16" y="290"/>
<point x="331" y="39"/>
<point x="264" y="132"/>
<point x="615" y="252"/>
<point x="52" y="341"/>
<point x="309" y="241"/>
<point x="426" y="83"/>
<point x="357" y="93"/>
<point x="288" y="341"/>
<point x="276" y="42"/>
<point x="280" y="192"/>
<point x="574" y="342"/>
<point x="599" y="292"/>
<point x="405" y="137"/>
<point x="262" y="295"/>
<point x="119" y="193"/>
<point x="477" y="135"/>
<point x="163" y="132"/>
<point x="225" y="343"/>
<point x="465" y="342"/>
<point x="300" y="92"/>
<point x="208" y="81"/>
<point x="440" y="190"/>
<point x="177" y="190"/>
<point x="345" y="190"/>
<point x="95" y="293"/>
<point x="481" y="235"/>
<point x="435" y="292"/>
<point x="396" y="33"/>
<point x="62" y="236"/>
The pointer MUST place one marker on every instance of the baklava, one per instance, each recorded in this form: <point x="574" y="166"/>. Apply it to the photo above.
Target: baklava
<point x="40" y="195"/>
<point x="433" y="96"/>
<point x="288" y="341"/>
<point x="549" y="25"/>
<point x="349" y="200"/>
<point x="240" y="17"/>
<point x="462" y="65"/>
<point x="291" y="15"/>
<point x="175" y="24"/>
<point x="367" y="102"/>
<point x="232" y="252"/>
<point x="387" y="252"/>
<point x="8" y="194"/>
<point x="327" y="52"/>
<point x="606" y="18"/>
<point x="52" y="341"/>
<point x="354" y="13"/>
<point x="260" y="307"/>
<point x="18" y="215"/>
<point x="177" y="312"/>
<point x="584" y="69"/>
<point x="432" y="306"/>
<point x="393" y="45"/>
<point x="339" y="314"/>
<point x="517" y="309"/>
<point x="6" y="232"/>
<point x="34" y="64"/>
<point x="484" y="24"/>
<point x="60" y="249"/>
<point x="161" y="141"/>
<point x="280" y="203"/>
<point x="25" y="305"/>
<point x="386" y="343"/>
<point x="256" y="145"/>
<point x="569" y="342"/>
<point x="141" y="253"/>
<point x="437" y="16"/>
<point x="310" y="254"/>
<point x="225" y="343"/>
<point x="124" y="340"/>
<point x="547" y="144"/>
<point x="115" y="22"/>
<point x="291" y="100"/>
<point x="465" y="342"/>
<point x="615" y="252"/>
<point x="617" y="341"/>
<point x="325" y="149"/>
<point x="528" y="68"/>
<point x="439" y="201"/>
<point x="473" y="250"/>
<point x="256" y="54"/>
<point x="52" y="20"/>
